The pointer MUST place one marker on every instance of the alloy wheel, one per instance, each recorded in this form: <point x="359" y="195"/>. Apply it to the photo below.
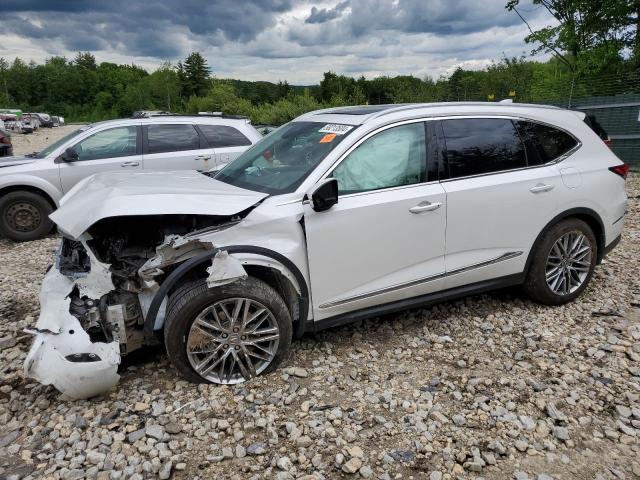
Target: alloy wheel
<point x="232" y="340"/>
<point x="568" y="263"/>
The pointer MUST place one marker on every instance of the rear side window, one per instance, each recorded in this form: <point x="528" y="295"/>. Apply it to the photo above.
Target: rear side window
<point x="544" y="143"/>
<point x="219" y="136"/>
<point x="482" y="145"/>
<point x="172" y="138"/>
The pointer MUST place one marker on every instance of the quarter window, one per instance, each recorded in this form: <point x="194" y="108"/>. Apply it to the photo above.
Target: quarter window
<point x="219" y="136"/>
<point x="544" y="143"/>
<point x="172" y="138"/>
<point x="391" y="158"/>
<point x="482" y="145"/>
<point x="112" y="143"/>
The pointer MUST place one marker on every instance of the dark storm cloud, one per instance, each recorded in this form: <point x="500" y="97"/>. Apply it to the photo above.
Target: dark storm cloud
<point x="140" y="28"/>
<point x="318" y="15"/>
<point x="438" y="17"/>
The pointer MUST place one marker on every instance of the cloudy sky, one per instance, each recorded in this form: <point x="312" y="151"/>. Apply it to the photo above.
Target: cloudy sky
<point x="293" y="40"/>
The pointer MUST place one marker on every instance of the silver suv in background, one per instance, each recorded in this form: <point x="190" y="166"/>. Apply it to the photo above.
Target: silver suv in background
<point x="32" y="185"/>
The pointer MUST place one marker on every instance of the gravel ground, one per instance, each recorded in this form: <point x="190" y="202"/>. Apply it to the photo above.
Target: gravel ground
<point x="34" y="142"/>
<point x="492" y="386"/>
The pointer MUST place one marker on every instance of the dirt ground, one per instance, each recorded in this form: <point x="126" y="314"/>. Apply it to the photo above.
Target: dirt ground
<point x="34" y="142"/>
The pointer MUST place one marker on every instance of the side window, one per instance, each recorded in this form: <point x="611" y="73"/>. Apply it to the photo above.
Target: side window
<point x="544" y="143"/>
<point x="112" y="143"/>
<point x="482" y="145"/>
<point x="172" y="138"/>
<point x="223" y="136"/>
<point x="391" y="158"/>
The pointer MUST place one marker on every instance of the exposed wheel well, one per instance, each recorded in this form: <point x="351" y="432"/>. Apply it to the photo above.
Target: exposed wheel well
<point x="28" y="188"/>
<point x="588" y="216"/>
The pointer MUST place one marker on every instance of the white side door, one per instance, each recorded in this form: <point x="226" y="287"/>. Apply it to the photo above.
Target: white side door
<point x="497" y="200"/>
<point x="176" y="146"/>
<point x="384" y="239"/>
<point x="115" y="148"/>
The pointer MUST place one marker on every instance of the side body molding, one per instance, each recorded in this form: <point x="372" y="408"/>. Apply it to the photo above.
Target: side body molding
<point x="185" y="267"/>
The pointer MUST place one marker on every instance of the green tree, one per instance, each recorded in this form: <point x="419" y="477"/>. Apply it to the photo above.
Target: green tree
<point x="194" y="74"/>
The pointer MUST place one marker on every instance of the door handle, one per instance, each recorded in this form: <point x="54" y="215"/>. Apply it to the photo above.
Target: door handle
<point x="130" y="164"/>
<point x="425" y="207"/>
<point x="541" y="187"/>
<point x="203" y="157"/>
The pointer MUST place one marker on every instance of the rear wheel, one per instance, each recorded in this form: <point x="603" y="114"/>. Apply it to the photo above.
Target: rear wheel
<point x="24" y="216"/>
<point x="562" y="263"/>
<point x="228" y="334"/>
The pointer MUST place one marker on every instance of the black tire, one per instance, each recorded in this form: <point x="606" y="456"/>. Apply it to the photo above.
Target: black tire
<point x="186" y="302"/>
<point x="24" y="216"/>
<point x="536" y="286"/>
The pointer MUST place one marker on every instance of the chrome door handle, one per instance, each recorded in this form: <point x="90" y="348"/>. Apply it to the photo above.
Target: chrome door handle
<point x="425" y="207"/>
<point x="541" y="187"/>
<point x="130" y="164"/>
<point x="203" y="157"/>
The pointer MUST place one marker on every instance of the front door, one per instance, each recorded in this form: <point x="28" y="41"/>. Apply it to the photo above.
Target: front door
<point x="108" y="150"/>
<point x="384" y="239"/>
<point x="176" y="147"/>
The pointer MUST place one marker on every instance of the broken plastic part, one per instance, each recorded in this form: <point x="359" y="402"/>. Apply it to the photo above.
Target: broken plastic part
<point x="224" y="269"/>
<point x="62" y="337"/>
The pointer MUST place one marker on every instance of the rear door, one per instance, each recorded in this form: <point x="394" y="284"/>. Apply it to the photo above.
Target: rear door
<point x="228" y="142"/>
<point x="176" y="146"/>
<point x="499" y="198"/>
<point x="117" y="148"/>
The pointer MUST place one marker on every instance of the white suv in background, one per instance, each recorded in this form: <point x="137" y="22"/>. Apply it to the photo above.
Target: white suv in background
<point x="32" y="185"/>
<point x="340" y="215"/>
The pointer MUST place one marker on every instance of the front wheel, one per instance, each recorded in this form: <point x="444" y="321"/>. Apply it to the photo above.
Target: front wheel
<point x="562" y="263"/>
<point x="24" y="216"/>
<point x="228" y="334"/>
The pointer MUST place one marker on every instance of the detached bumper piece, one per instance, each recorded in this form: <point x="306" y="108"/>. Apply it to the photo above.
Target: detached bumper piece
<point x="62" y="353"/>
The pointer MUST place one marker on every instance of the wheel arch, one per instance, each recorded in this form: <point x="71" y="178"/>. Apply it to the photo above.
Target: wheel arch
<point x="280" y="273"/>
<point x="29" y="188"/>
<point x="587" y="215"/>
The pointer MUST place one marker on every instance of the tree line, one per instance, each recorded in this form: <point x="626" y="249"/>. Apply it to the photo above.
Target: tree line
<point x="596" y="40"/>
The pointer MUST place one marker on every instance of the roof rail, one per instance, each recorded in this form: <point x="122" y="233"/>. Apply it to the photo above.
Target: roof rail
<point x="200" y="114"/>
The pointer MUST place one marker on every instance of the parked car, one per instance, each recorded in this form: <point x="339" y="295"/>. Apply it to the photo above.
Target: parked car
<point x="31" y="186"/>
<point x="61" y="120"/>
<point x="44" y="119"/>
<point x="10" y="121"/>
<point x="55" y="120"/>
<point x="6" y="148"/>
<point x="340" y="215"/>
<point x="29" y="123"/>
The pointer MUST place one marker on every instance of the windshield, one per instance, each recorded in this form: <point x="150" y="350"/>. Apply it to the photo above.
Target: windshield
<point x="54" y="145"/>
<point x="280" y="162"/>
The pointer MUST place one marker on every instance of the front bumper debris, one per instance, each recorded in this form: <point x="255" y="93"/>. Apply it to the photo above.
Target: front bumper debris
<point x="62" y="353"/>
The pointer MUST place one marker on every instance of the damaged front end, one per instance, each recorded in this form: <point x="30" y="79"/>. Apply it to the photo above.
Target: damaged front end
<point x="95" y="298"/>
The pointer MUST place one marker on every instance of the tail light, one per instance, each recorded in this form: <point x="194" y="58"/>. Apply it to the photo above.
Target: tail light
<point x="621" y="170"/>
<point x="608" y="142"/>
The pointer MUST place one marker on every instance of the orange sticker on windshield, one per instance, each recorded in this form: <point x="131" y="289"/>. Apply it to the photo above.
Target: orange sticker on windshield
<point x="328" y="138"/>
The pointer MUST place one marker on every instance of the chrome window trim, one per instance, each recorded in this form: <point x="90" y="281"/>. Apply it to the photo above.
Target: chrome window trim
<point x="420" y="281"/>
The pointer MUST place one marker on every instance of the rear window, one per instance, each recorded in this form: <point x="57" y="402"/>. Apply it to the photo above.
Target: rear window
<point x="544" y="143"/>
<point x="219" y="136"/>
<point x="172" y="138"/>
<point x="482" y="145"/>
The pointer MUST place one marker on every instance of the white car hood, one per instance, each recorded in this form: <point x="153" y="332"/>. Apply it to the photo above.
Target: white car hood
<point x="115" y="194"/>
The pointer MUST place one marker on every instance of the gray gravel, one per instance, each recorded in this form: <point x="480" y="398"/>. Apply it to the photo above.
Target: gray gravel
<point x="492" y="386"/>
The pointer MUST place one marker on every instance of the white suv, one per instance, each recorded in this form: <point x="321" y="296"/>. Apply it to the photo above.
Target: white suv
<point x="31" y="185"/>
<point x="339" y="215"/>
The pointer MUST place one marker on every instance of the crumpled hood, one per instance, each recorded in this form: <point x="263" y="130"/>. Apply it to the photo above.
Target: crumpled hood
<point x="115" y="194"/>
<point x="16" y="160"/>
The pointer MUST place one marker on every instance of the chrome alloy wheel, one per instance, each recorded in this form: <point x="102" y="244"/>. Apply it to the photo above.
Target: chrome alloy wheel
<point x="232" y="340"/>
<point x="568" y="263"/>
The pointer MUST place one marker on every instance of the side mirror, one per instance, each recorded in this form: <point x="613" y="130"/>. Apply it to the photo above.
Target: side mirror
<point x="69" y="155"/>
<point x="325" y="195"/>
